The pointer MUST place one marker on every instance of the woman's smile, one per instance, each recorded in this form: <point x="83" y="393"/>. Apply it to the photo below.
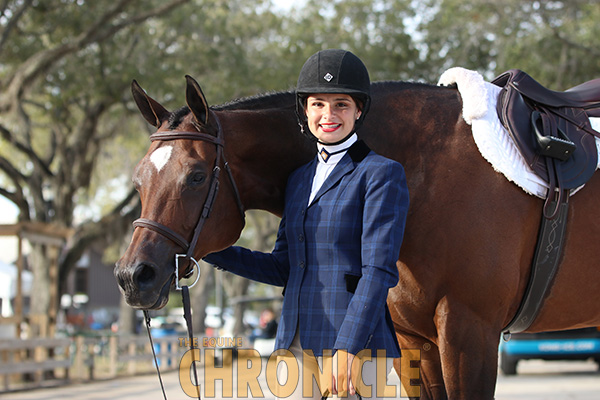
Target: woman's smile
<point x="330" y="127"/>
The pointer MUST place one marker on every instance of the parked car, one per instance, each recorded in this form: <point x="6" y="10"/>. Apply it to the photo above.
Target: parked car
<point x="576" y="344"/>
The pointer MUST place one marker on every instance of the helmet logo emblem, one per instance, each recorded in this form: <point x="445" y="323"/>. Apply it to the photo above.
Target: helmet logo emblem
<point x="328" y="77"/>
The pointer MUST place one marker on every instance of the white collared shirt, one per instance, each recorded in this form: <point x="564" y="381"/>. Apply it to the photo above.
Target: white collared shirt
<point x="324" y="168"/>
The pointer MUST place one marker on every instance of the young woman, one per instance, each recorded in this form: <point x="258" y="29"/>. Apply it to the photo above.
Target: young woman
<point x="339" y="237"/>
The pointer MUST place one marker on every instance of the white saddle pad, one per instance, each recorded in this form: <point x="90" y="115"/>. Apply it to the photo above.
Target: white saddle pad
<point x="493" y="141"/>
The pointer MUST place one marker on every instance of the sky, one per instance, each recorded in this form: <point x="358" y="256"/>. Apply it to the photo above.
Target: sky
<point x="9" y="211"/>
<point x="8" y="245"/>
<point x="286" y="5"/>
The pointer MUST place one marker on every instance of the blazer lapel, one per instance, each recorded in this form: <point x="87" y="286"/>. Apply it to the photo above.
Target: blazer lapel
<point x="305" y="185"/>
<point x="344" y="166"/>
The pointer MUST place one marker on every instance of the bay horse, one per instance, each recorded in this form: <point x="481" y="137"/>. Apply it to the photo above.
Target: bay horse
<point x="470" y="234"/>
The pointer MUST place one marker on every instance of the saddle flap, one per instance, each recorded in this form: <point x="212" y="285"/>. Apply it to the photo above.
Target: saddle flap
<point x="515" y="113"/>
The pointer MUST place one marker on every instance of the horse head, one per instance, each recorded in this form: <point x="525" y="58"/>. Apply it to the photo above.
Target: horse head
<point x="183" y="203"/>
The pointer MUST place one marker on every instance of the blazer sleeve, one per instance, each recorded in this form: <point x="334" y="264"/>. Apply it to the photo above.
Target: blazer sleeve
<point x="271" y="268"/>
<point x="384" y="218"/>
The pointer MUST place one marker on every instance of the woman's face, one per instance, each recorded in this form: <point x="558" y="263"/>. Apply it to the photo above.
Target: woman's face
<point x="331" y="116"/>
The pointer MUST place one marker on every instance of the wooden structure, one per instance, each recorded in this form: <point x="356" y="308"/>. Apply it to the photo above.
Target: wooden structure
<point x="32" y="363"/>
<point x="26" y="363"/>
<point x="45" y="234"/>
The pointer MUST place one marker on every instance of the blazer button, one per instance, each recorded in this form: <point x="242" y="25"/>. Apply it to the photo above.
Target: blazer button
<point x="301" y="238"/>
<point x="301" y="264"/>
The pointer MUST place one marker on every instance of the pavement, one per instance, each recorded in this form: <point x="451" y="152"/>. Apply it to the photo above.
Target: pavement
<point x="536" y="380"/>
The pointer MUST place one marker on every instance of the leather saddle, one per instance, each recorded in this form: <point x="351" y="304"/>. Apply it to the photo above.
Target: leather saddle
<point x="551" y="129"/>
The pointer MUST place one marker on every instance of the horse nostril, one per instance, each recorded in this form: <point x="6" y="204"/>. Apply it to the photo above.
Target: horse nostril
<point x="120" y="280"/>
<point x="144" y="275"/>
<point x="120" y="275"/>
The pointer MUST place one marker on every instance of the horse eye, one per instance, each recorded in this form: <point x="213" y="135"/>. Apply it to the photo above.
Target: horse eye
<point x="196" y="178"/>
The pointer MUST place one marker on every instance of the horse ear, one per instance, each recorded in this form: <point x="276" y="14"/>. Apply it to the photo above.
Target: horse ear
<point x="152" y="111"/>
<point x="196" y="101"/>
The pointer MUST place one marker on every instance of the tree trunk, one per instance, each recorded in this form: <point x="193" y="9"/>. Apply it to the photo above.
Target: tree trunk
<point x="200" y="295"/>
<point x="40" y="309"/>
<point x="127" y="319"/>
<point x="238" y="311"/>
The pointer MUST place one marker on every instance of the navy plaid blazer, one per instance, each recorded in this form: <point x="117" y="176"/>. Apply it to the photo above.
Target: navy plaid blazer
<point x="336" y="258"/>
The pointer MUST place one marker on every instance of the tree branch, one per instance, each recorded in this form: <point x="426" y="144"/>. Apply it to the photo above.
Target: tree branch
<point x="53" y="147"/>
<point x="114" y="225"/>
<point x="590" y="51"/>
<point x="85" y="145"/>
<point x="42" y="61"/>
<point x="556" y="29"/>
<point x="25" y="149"/>
<point x="14" y="174"/>
<point x="13" y="22"/>
<point x="134" y="20"/>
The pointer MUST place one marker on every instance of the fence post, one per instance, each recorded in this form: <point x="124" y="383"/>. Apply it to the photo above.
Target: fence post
<point x="7" y="359"/>
<point x="38" y="356"/>
<point x="78" y="362"/>
<point x="67" y="357"/>
<point x="174" y="351"/>
<point x="132" y="350"/>
<point x="113" y="355"/>
<point x="91" y="360"/>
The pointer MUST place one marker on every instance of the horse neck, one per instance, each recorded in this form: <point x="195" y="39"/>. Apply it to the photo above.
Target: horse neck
<point x="411" y="119"/>
<point x="263" y="147"/>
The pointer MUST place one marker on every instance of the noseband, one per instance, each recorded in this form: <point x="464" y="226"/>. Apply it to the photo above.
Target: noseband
<point x="208" y="203"/>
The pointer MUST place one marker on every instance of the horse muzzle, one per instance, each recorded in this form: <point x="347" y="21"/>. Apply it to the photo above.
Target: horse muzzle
<point x="144" y="285"/>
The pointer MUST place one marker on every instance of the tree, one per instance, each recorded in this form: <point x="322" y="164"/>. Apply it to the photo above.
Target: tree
<point x="58" y="81"/>
<point x="554" y="41"/>
<point x="65" y="104"/>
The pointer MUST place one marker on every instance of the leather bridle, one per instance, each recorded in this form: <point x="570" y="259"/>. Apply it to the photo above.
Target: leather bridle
<point x="180" y="240"/>
<point x="169" y="233"/>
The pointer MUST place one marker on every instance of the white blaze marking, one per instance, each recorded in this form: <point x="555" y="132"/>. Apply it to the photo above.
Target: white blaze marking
<point x="161" y="156"/>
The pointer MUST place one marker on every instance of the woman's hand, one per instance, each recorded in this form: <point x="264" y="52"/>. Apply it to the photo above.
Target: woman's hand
<point x="347" y="373"/>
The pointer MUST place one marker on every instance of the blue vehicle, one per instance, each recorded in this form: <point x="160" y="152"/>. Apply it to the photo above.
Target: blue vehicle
<point x="576" y="344"/>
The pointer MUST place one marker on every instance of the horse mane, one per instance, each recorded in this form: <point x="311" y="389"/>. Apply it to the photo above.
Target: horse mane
<point x="283" y="99"/>
<point x="395" y="85"/>
<point x="260" y="102"/>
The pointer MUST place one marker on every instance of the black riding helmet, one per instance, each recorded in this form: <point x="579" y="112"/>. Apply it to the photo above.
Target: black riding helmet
<point x="333" y="71"/>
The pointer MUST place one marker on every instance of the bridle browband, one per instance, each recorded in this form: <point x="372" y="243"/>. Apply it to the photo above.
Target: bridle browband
<point x="180" y="240"/>
<point x="210" y="197"/>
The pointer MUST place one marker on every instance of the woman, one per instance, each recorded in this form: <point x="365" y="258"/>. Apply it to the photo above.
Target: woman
<point x="340" y="233"/>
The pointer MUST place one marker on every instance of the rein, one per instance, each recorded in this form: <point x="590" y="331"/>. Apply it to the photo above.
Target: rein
<point x="178" y="239"/>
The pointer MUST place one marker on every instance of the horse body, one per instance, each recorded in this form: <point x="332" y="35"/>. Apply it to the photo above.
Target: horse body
<point x="468" y="234"/>
<point x="469" y="241"/>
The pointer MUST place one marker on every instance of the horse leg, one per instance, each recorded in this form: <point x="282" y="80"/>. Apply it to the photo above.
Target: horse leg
<point x="420" y="369"/>
<point x="468" y="347"/>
